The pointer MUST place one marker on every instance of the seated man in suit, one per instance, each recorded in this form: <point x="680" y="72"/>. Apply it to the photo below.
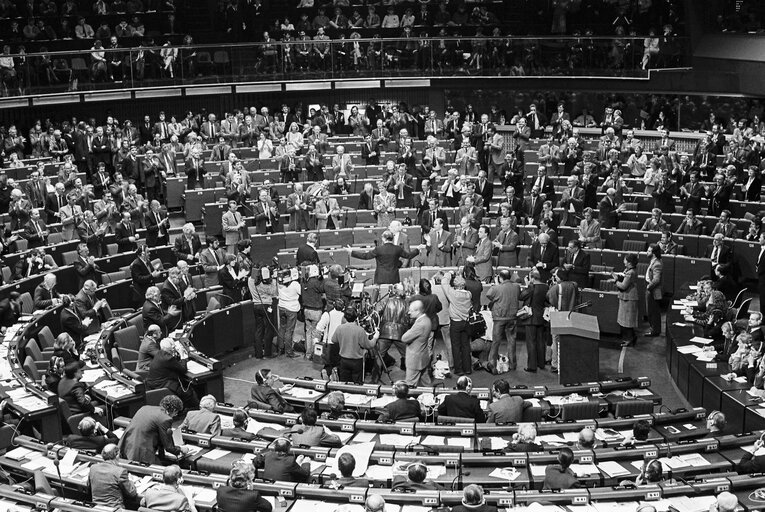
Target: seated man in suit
<point x="153" y="314"/>
<point x="149" y="348"/>
<point x="92" y="436"/>
<point x="505" y="408"/>
<point x="109" y="482"/>
<point x="203" y="421"/>
<point x="307" y="433"/>
<point x="170" y="496"/>
<point x="718" y="252"/>
<point x="46" y="294"/>
<point x="417" y="472"/>
<point x="240" y="418"/>
<point x="142" y="273"/>
<point x="168" y="370"/>
<point x="346" y="464"/>
<point x="462" y="404"/>
<point x="403" y="408"/>
<point x="282" y="466"/>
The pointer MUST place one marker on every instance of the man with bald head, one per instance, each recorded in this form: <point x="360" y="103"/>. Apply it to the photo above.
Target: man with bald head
<point x="725" y="502"/>
<point x="109" y="482"/>
<point x="416" y="341"/>
<point x="374" y="503"/>
<point x="92" y="435"/>
<point x="544" y="256"/>
<point x="88" y="306"/>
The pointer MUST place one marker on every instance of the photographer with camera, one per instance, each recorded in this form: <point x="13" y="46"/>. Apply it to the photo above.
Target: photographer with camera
<point x="354" y="342"/>
<point x="265" y="297"/>
<point x="393" y="323"/>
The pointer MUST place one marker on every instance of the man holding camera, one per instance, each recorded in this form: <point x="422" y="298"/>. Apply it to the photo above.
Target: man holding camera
<point x="354" y="342"/>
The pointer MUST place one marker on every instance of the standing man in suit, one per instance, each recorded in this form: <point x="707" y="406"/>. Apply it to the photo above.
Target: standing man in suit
<point x="306" y="254"/>
<point x="85" y="266"/>
<point x="173" y="293"/>
<point x="465" y="242"/>
<point x="89" y="307"/>
<point x="91" y="233"/>
<point x="544" y="256"/>
<point x="388" y="258"/>
<point x="195" y="170"/>
<point x="156" y="225"/>
<point x="370" y="153"/>
<point x="653" y="290"/>
<point x="522" y="135"/>
<point x="719" y="195"/>
<point x="438" y="243"/>
<point x="266" y="213"/>
<point x="497" y="152"/>
<point x="506" y="244"/>
<point x="572" y="202"/>
<point x="544" y="184"/>
<point x="718" y="252"/>
<point x="153" y="313"/>
<point x="299" y="206"/>
<point x="609" y="210"/>
<point x="429" y="216"/>
<point x="35" y="231"/>
<point x="761" y="273"/>
<point x="576" y="263"/>
<point x="125" y="232"/>
<point x="212" y="260"/>
<point x="35" y="188"/>
<point x="148" y="434"/>
<point x="484" y="188"/>
<point x="187" y="246"/>
<point x="327" y="212"/>
<point x="482" y="256"/>
<point x="233" y="224"/>
<point x="142" y="273"/>
<point x="54" y="203"/>
<point x="462" y="404"/>
<point x="416" y="341"/>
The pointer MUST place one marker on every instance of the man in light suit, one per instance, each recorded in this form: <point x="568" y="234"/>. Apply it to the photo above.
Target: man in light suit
<point x="299" y="206"/>
<point x="439" y="245"/>
<point x="482" y="256"/>
<point x="572" y="201"/>
<point x="576" y="263"/>
<point x="505" y="408"/>
<point x="465" y="242"/>
<point x="109" y="482"/>
<point x="497" y="152"/>
<point x="168" y="497"/>
<point x="341" y="163"/>
<point x="399" y="237"/>
<point x="416" y="341"/>
<point x="233" y="224"/>
<point x="506" y="243"/>
<point x="388" y="258"/>
<point x="212" y="260"/>
<point x="327" y="212"/>
<point x="187" y="246"/>
<point x="265" y="213"/>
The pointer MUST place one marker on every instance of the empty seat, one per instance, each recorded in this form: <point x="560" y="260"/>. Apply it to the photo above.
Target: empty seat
<point x="27" y="304"/>
<point x="607" y="286"/>
<point x="137" y="322"/>
<point x="128" y="338"/>
<point x="633" y="245"/>
<point x="45" y="338"/>
<point x="32" y="350"/>
<point x="111" y="249"/>
<point x="69" y="257"/>
<point x="30" y="368"/>
<point x="629" y="224"/>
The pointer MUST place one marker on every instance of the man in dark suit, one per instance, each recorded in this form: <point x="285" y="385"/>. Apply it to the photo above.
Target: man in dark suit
<point x="46" y="294"/>
<point x="142" y="273"/>
<point x="484" y="188"/>
<point x="306" y="254"/>
<point x="428" y="217"/>
<point x="85" y="265"/>
<point x="35" y="231"/>
<point x="240" y="418"/>
<point x="91" y="436"/>
<point x="71" y="321"/>
<point x="544" y="184"/>
<point x="157" y="223"/>
<point x="505" y="408"/>
<point x="718" y="252"/>
<point x="168" y="370"/>
<point x="188" y="245"/>
<point x="572" y="202"/>
<point x="544" y="255"/>
<point x="370" y="152"/>
<point x="149" y="432"/>
<point x="761" y="273"/>
<point x="462" y="404"/>
<point x="388" y="257"/>
<point x="172" y="294"/>
<point x="54" y="203"/>
<point x="576" y="263"/>
<point x="125" y="233"/>
<point x="265" y="213"/>
<point x="195" y="171"/>
<point x="280" y="465"/>
<point x="532" y="206"/>
<point x="609" y="210"/>
<point x="403" y="408"/>
<point x="153" y="313"/>
<point x="367" y="197"/>
<point x="719" y="196"/>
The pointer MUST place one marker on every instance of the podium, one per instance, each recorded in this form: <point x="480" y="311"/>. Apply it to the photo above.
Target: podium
<point x="578" y="349"/>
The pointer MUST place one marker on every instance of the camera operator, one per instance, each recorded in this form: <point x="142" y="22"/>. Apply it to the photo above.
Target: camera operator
<point x="393" y="323"/>
<point x="313" y="306"/>
<point x="354" y="342"/>
<point x="337" y="285"/>
<point x="329" y="322"/>
<point x="265" y="300"/>
<point x="289" y="307"/>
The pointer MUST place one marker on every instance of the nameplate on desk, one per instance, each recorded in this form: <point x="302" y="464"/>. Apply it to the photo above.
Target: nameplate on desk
<point x="483" y="395"/>
<point x="723" y="487"/>
<point x="320" y="386"/>
<point x="406" y="431"/>
<point x="651" y="454"/>
<point x="585" y="459"/>
<point x="594" y="389"/>
<point x="346" y="427"/>
<point x="385" y="461"/>
<point x="539" y="392"/>
<point x="431" y="500"/>
<point x="519" y="462"/>
<point x="372" y="391"/>
<point x="452" y="463"/>
<point x="579" y="500"/>
<point x="653" y="495"/>
<point x="320" y="456"/>
<point x="156" y="476"/>
<point x="505" y="501"/>
<point x="713" y="447"/>
<point x="203" y="442"/>
<point x="467" y="431"/>
<point x="41" y="505"/>
<point x="711" y="366"/>
<point x="356" y="498"/>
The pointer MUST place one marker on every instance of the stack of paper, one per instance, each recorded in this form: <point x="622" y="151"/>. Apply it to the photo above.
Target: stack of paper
<point x="382" y="401"/>
<point x="399" y="440"/>
<point x="215" y="454"/>
<point x="464" y="442"/>
<point x="356" y="399"/>
<point x="581" y="470"/>
<point x="434" y="441"/>
<point x="614" y="469"/>
<point x="505" y="473"/>
<point x="195" y="368"/>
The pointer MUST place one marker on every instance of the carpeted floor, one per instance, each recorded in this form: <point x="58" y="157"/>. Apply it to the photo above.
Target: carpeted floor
<point x="645" y="360"/>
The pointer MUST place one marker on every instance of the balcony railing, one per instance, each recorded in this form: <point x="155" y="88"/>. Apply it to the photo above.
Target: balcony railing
<point x="138" y="67"/>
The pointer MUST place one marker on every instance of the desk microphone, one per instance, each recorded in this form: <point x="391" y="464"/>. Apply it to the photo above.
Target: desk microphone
<point x="57" y="462"/>
<point x="458" y="479"/>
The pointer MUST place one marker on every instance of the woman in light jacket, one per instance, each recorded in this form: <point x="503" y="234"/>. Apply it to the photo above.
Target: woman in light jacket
<point x="627" y="317"/>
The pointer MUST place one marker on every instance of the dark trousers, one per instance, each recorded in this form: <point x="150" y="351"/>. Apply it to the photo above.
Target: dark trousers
<point x="264" y="330"/>
<point x="628" y="333"/>
<point x="287" y="321"/>
<point x="351" y="370"/>
<point x="535" y="346"/>
<point x="653" y="310"/>
<point x="460" y="346"/>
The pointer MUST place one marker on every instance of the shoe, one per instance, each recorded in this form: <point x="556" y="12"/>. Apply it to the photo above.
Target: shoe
<point x="490" y="368"/>
<point x="553" y="369"/>
<point x="292" y="355"/>
<point x="530" y="370"/>
<point x="626" y="344"/>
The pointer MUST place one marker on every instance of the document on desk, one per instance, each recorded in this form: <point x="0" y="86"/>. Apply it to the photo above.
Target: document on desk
<point x="465" y="442"/>
<point x="434" y="441"/>
<point x="702" y="340"/>
<point x="226" y="421"/>
<point x="614" y="469"/>
<point x="614" y="506"/>
<point x="215" y="454"/>
<point x="538" y="507"/>
<point x="66" y="465"/>
<point x="361" y="453"/>
<point x="398" y="440"/>
<point x="694" y="459"/>
<point x="177" y="436"/>
<point x="581" y="508"/>
<point x="382" y="401"/>
<point x="748" y="448"/>
<point x="537" y="470"/>
<point x="253" y="427"/>
<point x="505" y="473"/>
<point x="38" y="462"/>
<point x="363" y="437"/>
<point x="303" y="393"/>
<point x="581" y="470"/>
<point x="356" y="399"/>
<point x="706" y="356"/>
<point x="553" y="439"/>
<point x="379" y="472"/>
<point x="313" y="506"/>
<point x="21" y="453"/>
<point x="344" y="436"/>
<point x="196" y="368"/>
<point x="92" y="375"/>
<point x="689" y="349"/>
<point x="498" y="443"/>
<point x="691" y="504"/>
<point x="415" y="508"/>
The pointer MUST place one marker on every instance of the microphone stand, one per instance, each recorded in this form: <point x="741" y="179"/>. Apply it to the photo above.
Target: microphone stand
<point x="57" y="463"/>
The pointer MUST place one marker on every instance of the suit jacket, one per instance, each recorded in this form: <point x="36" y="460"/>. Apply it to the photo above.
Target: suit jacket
<point x="171" y="295"/>
<point x="439" y="253"/>
<point x="469" y="243"/>
<point x="402" y="409"/>
<point x="283" y="468"/>
<point x="231" y="286"/>
<point x="262" y="216"/>
<point x="71" y="323"/>
<point x="153" y="314"/>
<point x="388" y="257"/>
<point x="426" y="220"/>
<point x="210" y="265"/>
<point x="231" y="230"/>
<point x="140" y="273"/>
<point x="146" y="435"/>
<point x="551" y="259"/>
<point x="366" y="149"/>
<point x="751" y="464"/>
<point x="43" y="298"/>
<point x="146" y="352"/>
<point x="508" y="409"/>
<point x="183" y="251"/>
<point x="532" y="208"/>
<point x="307" y="255"/>
<point x="462" y="405"/>
<point x="507" y="255"/>
<point x="202" y="421"/>
<point x="653" y="281"/>
<point x="535" y="296"/>
<point x="92" y="443"/>
<point x="321" y="210"/>
<point x="122" y="234"/>
<point x="110" y="485"/>
<point x="232" y="499"/>
<point x="156" y="235"/>
<point x="725" y="255"/>
<point x="580" y="273"/>
<point x="164" y="498"/>
<point x="34" y="237"/>
<point x="558" y="478"/>
<point x="486" y="191"/>
<point x="608" y="215"/>
<point x="416" y="340"/>
<point x="483" y="261"/>
<point x="299" y="217"/>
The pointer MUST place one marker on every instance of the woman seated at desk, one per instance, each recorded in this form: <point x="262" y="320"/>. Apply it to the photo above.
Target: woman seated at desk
<point x="713" y="315"/>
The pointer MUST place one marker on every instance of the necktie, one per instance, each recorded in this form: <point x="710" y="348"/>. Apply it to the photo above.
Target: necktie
<point x="211" y="130"/>
<point x="37" y="228"/>
<point x="156" y="216"/>
<point x="542" y="253"/>
<point x="215" y="257"/>
<point x="715" y="254"/>
<point x="60" y="203"/>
